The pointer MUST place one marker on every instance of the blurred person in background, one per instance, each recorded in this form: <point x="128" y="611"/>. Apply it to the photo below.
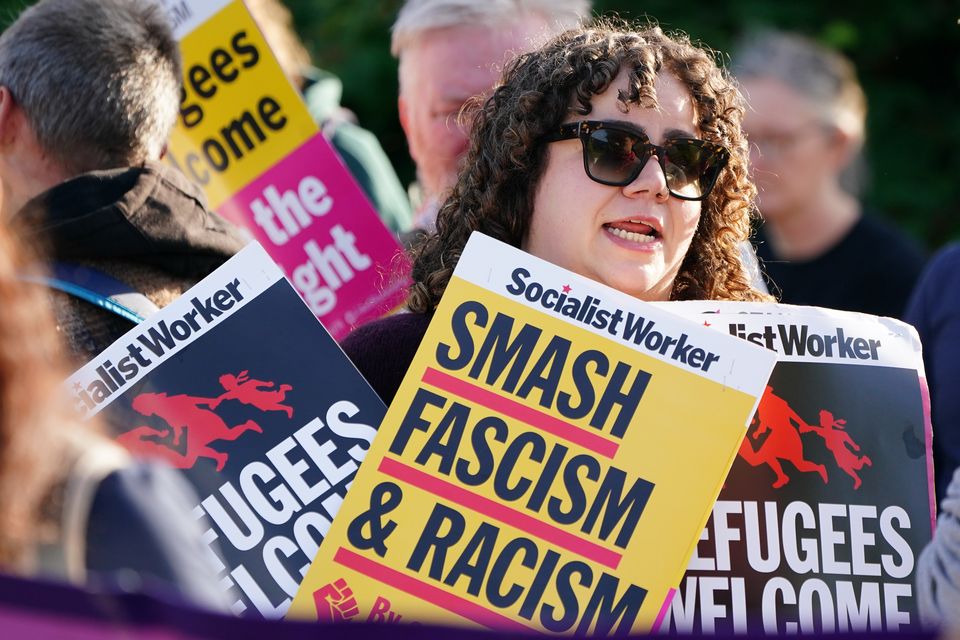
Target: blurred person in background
<point x="934" y="310"/>
<point x="805" y="124"/>
<point x="938" y="565"/>
<point x="615" y="153"/>
<point x="451" y="51"/>
<point x="89" y="92"/>
<point x="73" y="506"/>
<point x="322" y="91"/>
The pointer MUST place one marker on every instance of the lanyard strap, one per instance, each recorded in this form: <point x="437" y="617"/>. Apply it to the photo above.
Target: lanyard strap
<point x="99" y="289"/>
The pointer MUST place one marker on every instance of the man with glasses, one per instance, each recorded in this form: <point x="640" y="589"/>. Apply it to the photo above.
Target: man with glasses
<point x="805" y="126"/>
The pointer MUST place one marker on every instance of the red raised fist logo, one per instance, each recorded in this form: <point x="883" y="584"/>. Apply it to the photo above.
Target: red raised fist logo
<point x="335" y="602"/>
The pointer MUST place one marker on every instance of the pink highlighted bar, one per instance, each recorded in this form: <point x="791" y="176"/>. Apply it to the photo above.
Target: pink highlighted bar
<point x="663" y="611"/>
<point x="517" y="411"/>
<point x="928" y="440"/>
<point x="485" y="506"/>
<point x="427" y="592"/>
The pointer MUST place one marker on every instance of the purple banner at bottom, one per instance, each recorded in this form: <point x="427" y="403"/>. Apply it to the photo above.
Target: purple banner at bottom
<point x="38" y="610"/>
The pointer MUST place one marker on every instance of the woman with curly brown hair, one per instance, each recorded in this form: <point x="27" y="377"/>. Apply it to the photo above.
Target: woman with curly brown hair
<point x="617" y="154"/>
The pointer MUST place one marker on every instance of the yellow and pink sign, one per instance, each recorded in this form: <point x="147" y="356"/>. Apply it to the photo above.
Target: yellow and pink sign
<point x="245" y="136"/>
<point x="548" y="464"/>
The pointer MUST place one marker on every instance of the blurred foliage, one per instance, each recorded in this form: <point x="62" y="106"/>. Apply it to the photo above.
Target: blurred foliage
<point x="906" y="53"/>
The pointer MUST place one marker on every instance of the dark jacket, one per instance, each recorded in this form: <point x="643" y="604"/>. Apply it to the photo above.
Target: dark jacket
<point x="934" y="310"/>
<point x="147" y="226"/>
<point x="382" y="350"/>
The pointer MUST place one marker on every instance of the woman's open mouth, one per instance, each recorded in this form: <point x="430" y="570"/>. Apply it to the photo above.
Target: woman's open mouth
<point x="632" y="231"/>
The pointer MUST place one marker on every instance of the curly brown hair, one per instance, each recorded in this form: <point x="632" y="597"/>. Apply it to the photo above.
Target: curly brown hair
<point x="495" y="191"/>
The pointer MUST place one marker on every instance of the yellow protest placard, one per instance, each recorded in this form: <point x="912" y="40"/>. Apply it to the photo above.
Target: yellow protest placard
<point x="239" y="115"/>
<point x="245" y="136"/>
<point x="548" y="463"/>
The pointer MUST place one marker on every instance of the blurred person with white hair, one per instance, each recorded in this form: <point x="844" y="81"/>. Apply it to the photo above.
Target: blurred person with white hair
<point x="451" y="51"/>
<point x="805" y="125"/>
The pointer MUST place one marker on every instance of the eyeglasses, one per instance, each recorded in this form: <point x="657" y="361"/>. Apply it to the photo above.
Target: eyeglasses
<point x="772" y="145"/>
<point x="615" y="154"/>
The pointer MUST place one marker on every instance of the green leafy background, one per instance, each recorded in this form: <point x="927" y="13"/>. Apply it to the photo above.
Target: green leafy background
<point x="906" y="52"/>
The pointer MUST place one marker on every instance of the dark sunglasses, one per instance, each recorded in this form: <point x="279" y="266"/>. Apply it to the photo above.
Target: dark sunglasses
<point x="615" y="154"/>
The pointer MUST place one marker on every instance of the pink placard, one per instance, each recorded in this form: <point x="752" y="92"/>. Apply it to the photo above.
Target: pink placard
<point x="316" y="223"/>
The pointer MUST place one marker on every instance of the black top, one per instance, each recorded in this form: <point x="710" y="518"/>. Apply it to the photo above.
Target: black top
<point x="383" y="350"/>
<point x="872" y="270"/>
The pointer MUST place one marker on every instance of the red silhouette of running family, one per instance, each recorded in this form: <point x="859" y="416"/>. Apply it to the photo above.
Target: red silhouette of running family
<point x="192" y="423"/>
<point x="241" y="387"/>
<point x="838" y="441"/>
<point x="776" y="417"/>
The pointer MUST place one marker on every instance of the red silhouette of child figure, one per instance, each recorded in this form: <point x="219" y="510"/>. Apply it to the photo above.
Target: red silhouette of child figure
<point x="783" y="443"/>
<point x="837" y="441"/>
<point x="241" y="387"/>
<point x="183" y="415"/>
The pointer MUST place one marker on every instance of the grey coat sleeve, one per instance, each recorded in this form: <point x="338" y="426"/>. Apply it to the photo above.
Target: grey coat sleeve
<point x="141" y="535"/>
<point x="938" y="568"/>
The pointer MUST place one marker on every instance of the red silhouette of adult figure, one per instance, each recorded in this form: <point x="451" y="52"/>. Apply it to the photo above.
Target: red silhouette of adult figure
<point x="241" y="387"/>
<point x="776" y="416"/>
<point x="837" y="441"/>
<point x="183" y="414"/>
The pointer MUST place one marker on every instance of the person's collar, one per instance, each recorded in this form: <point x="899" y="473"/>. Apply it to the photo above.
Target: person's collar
<point x="148" y="213"/>
<point x="322" y="91"/>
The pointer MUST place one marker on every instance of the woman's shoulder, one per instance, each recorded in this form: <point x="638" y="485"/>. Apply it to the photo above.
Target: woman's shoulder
<point x="946" y="262"/>
<point x="399" y="325"/>
<point x="140" y="524"/>
<point x="116" y="518"/>
<point x="383" y="350"/>
<point x="938" y="283"/>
